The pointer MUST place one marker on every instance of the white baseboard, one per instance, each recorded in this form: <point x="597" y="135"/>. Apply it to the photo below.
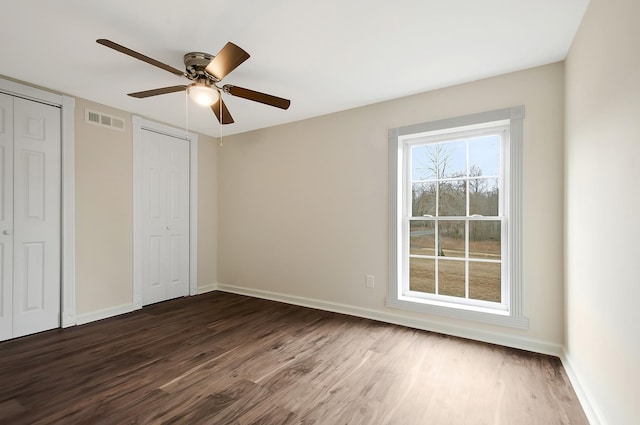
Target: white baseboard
<point x="82" y="319"/>
<point x="383" y="316"/>
<point x="93" y="316"/>
<point x="203" y="289"/>
<point x="424" y="324"/>
<point x="589" y="407"/>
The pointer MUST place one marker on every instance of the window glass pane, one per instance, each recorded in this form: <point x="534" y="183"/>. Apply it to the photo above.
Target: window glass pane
<point x="422" y="275"/>
<point x="452" y="198"/>
<point x="451" y="238"/>
<point x="423" y="199"/>
<point x="484" y="156"/>
<point x="422" y="237"/>
<point x="422" y="162"/>
<point x="483" y="196"/>
<point x="484" y="281"/>
<point x="439" y="160"/>
<point x="451" y="159"/>
<point x="484" y="240"/>
<point x="451" y="278"/>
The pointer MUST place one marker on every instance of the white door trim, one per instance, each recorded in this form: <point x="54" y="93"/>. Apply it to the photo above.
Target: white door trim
<point x="140" y="124"/>
<point x="68" y="237"/>
<point x="67" y="231"/>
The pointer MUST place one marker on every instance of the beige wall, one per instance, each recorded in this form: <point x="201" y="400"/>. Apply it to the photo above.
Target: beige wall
<point x="104" y="212"/>
<point x="104" y="205"/>
<point x="602" y="204"/>
<point x="207" y="212"/>
<point x="303" y="207"/>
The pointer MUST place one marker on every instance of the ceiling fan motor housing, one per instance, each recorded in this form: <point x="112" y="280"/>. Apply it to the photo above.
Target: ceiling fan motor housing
<point x="195" y="64"/>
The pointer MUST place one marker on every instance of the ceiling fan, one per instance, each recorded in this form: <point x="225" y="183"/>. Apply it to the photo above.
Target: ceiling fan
<point x="206" y="71"/>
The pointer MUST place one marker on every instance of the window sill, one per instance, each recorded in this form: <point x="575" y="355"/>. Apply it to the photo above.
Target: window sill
<point x="459" y="311"/>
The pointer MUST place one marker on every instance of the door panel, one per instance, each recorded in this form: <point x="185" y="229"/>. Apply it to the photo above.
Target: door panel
<point x="156" y="291"/>
<point x="34" y="183"/>
<point x="154" y="215"/>
<point x="6" y="216"/>
<point x="36" y="211"/>
<point x="33" y="273"/>
<point x="178" y="218"/>
<point x="165" y="217"/>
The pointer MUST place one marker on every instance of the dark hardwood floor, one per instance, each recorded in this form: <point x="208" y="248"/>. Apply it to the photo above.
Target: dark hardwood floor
<point x="227" y="359"/>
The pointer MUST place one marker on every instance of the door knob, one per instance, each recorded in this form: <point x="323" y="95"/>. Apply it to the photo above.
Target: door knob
<point x="6" y="232"/>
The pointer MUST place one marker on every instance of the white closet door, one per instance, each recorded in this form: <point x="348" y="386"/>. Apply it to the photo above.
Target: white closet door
<point x="177" y="218"/>
<point x="36" y="212"/>
<point x="29" y="217"/>
<point x="165" y="217"/>
<point x="6" y="216"/>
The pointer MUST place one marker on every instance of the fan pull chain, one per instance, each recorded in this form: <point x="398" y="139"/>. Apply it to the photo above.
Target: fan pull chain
<point x="221" y="119"/>
<point x="186" y="114"/>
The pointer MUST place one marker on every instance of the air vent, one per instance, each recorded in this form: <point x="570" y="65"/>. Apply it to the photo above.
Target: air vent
<point x="103" y="120"/>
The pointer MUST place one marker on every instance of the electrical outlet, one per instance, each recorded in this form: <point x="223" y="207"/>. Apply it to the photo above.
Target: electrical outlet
<point x="370" y="281"/>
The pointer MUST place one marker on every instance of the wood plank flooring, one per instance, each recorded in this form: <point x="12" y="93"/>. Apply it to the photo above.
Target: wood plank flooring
<point x="220" y="358"/>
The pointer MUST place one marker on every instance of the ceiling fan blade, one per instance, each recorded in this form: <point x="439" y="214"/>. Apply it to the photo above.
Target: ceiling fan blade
<point x="140" y="56"/>
<point x="226" y="116"/>
<point x="256" y="96"/>
<point x="155" y="92"/>
<point x="226" y="61"/>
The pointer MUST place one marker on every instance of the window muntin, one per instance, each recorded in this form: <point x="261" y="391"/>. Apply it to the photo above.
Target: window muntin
<point x="453" y="217"/>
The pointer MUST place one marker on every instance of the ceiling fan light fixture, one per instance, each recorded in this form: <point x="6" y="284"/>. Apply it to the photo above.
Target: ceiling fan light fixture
<point x="203" y="95"/>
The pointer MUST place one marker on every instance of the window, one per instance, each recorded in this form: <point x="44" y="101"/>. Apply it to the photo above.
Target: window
<point x="455" y="217"/>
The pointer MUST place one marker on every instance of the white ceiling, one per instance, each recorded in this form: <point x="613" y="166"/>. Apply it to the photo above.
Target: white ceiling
<point x="324" y="55"/>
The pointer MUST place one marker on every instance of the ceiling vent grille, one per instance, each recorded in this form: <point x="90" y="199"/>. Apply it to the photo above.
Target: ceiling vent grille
<point x="103" y="120"/>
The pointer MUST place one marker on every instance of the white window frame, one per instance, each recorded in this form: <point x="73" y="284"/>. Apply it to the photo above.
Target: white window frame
<point x="507" y="313"/>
